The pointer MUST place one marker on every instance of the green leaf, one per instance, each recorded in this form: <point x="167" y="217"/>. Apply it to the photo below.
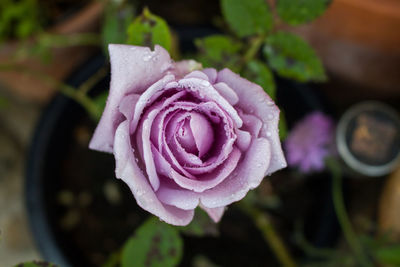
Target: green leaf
<point x="101" y="100"/>
<point x="388" y="255"/>
<point x="291" y="57"/>
<point x="282" y="126"/>
<point x="154" y="244"/>
<point x="115" y="25"/>
<point x="36" y="264"/>
<point x="218" y="51"/>
<point x="296" y="12"/>
<point x="201" y="225"/>
<point x="148" y="30"/>
<point x="19" y="19"/>
<point x="247" y="17"/>
<point x="259" y="73"/>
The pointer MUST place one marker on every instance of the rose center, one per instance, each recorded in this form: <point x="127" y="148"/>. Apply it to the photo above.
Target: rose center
<point x="195" y="134"/>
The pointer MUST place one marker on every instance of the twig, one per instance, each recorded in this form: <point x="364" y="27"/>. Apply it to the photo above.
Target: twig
<point x="93" y="80"/>
<point x="270" y="235"/>
<point x="342" y="216"/>
<point x="66" y="89"/>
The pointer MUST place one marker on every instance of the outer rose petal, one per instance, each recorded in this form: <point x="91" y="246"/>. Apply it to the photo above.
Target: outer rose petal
<point x="127" y="170"/>
<point x="211" y="73"/>
<point x="127" y="106"/>
<point x="133" y="69"/>
<point x="254" y="100"/>
<point x="215" y="213"/>
<point x="248" y="175"/>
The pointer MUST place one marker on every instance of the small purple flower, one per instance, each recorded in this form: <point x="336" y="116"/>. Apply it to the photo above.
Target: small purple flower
<point x="310" y="142"/>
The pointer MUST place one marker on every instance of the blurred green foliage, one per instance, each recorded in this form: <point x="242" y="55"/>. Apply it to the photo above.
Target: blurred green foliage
<point x="117" y="18"/>
<point x="291" y="57"/>
<point x="296" y="12"/>
<point x="218" y="51"/>
<point x="19" y="19"/>
<point x="148" y="30"/>
<point x="258" y="72"/>
<point x="247" y="17"/>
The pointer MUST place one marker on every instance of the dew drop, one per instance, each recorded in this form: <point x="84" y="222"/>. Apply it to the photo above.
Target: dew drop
<point x="146" y="58"/>
<point x="270" y="103"/>
<point x="270" y="116"/>
<point x="269" y="134"/>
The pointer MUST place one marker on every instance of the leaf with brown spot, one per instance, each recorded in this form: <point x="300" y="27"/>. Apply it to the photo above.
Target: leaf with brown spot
<point x="153" y="244"/>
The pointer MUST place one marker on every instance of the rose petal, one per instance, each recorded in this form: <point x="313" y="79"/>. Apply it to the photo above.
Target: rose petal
<point x="215" y="213"/>
<point x="131" y="74"/>
<point x="147" y="155"/>
<point x="145" y="133"/>
<point x="171" y="194"/>
<point x="184" y="136"/>
<point x="197" y="74"/>
<point x="243" y="140"/>
<point x="151" y="94"/>
<point x="128" y="170"/>
<point x="211" y="73"/>
<point x="227" y="93"/>
<point x="248" y="174"/>
<point x="222" y="147"/>
<point x="255" y="101"/>
<point x="165" y="135"/>
<point x="206" y="90"/>
<point x="202" y="132"/>
<point x="157" y="124"/>
<point x="204" y="182"/>
<point x="251" y="124"/>
<point x="127" y="106"/>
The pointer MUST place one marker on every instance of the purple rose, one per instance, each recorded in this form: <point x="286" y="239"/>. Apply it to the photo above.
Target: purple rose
<point x="183" y="138"/>
<point x="310" y="142"/>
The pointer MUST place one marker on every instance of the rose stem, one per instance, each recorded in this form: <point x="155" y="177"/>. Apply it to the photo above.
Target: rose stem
<point x="343" y="218"/>
<point x="66" y="89"/>
<point x="255" y="44"/>
<point x="269" y="233"/>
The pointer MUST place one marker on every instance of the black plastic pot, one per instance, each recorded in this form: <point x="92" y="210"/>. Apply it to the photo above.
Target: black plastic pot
<point x="76" y="223"/>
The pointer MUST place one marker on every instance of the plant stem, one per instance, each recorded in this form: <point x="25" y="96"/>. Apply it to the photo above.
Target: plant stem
<point x="65" y="40"/>
<point x="95" y="78"/>
<point x="342" y="215"/>
<point x="316" y="252"/>
<point x="270" y="235"/>
<point x="66" y="89"/>
<point x="255" y="45"/>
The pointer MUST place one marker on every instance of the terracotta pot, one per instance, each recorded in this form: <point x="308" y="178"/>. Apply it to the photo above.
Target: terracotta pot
<point x="64" y="60"/>
<point x="359" y="42"/>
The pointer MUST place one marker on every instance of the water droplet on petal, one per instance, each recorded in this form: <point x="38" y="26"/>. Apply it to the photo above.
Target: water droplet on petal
<point x="146" y="58"/>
